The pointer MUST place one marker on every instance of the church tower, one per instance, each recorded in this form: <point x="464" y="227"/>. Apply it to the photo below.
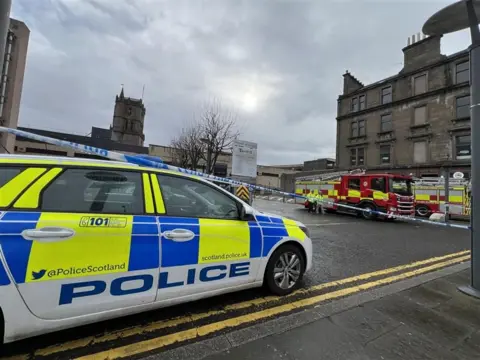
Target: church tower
<point x="128" y="120"/>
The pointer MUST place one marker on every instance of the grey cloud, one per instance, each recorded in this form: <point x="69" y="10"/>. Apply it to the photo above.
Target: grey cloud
<point x="289" y="55"/>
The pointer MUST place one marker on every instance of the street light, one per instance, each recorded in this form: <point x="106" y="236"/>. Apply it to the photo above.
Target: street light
<point x="459" y="16"/>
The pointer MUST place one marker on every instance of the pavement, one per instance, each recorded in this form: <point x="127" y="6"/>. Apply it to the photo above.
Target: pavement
<point x="428" y="321"/>
<point x="351" y="257"/>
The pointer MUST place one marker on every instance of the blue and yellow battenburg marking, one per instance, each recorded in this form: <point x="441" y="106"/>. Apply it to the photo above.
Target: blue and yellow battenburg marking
<point x="275" y="229"/>
<point x="113" y="244"/>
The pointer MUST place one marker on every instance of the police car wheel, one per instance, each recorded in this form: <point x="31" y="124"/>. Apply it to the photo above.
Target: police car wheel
<point x="285" y="270"/>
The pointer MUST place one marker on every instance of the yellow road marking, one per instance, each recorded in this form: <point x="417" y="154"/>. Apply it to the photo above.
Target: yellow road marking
<point x="162" y="324"/>
<point x="157" y="343"/>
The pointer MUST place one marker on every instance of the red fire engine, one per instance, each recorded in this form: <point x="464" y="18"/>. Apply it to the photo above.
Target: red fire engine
<point x="387" y="193"/>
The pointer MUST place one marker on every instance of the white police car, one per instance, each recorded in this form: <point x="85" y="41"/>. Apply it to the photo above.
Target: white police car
<point x="84" y="240"/>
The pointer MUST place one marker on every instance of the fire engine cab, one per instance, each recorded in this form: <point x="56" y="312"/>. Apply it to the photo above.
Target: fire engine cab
<point x="387" y="193"/>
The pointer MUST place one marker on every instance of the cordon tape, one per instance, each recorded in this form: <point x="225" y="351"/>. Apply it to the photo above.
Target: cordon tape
<point x="155" y="162"/>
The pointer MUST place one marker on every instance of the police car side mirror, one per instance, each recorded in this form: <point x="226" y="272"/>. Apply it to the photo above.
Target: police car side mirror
<point x="245" y="213"/>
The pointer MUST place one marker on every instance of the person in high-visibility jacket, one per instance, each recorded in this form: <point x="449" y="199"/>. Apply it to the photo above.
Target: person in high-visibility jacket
<point x="312" y="202"/>
<point x="319" y="198"/>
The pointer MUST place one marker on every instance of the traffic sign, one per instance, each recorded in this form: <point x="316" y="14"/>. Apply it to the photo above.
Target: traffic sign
<point x="243" y="193"/>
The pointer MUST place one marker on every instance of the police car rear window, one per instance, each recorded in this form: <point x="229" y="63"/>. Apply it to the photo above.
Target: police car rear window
<point x="82" y="190"/>
<point x="7" y="174"/>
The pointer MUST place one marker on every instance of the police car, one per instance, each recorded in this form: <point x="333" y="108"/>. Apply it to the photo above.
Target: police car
<point x="87" y="240"/>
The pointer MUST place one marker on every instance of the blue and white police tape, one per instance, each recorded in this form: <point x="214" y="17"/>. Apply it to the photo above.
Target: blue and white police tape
<point x="395" y="216"/>
<point x="142" y="160"/>
<point x="155" y="162"/>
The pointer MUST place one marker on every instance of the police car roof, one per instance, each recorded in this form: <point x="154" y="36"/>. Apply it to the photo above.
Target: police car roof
<point x="45" y="159"/>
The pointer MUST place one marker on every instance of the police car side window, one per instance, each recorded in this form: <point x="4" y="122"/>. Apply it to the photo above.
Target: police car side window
<point x="187" y="198"/>
<point x="7" y="174"/>
<point x="95" y="191"/>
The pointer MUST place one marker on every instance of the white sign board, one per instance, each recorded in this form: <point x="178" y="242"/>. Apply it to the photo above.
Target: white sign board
<point x="244" y="159"/>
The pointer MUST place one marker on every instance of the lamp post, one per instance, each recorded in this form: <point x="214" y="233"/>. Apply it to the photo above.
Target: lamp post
<point x="461" y="15"/>
<point x="5" y="6"/>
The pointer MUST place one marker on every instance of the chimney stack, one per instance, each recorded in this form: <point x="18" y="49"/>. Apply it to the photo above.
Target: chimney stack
<point x="421" y="50"/>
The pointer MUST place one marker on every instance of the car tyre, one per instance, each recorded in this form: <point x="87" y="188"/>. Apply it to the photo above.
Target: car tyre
<point x="368" y="215"/>
<point x="285" y="270"/>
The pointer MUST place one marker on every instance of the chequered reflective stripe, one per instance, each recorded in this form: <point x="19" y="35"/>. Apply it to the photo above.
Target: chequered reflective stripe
<point x="233" y="236"/>
<point x="4" y="279"/>
<point x="143" y="250"/>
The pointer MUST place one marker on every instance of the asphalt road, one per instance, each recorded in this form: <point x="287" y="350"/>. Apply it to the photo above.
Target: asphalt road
<point x="343" y="246"/>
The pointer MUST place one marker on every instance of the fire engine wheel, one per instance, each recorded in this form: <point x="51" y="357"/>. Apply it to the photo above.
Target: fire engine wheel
<point x="423" y="211"/>
<point x="368" y="214"/>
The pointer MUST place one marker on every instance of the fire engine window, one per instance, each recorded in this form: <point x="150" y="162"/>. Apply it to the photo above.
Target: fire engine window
<point x="378" y="184"/>
<point x="354" y="184"/>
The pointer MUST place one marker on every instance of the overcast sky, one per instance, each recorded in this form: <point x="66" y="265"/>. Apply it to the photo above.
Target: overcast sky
<point x="278" y="64"/>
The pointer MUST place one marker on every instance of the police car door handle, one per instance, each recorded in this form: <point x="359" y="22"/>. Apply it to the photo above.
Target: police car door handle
<point x="179" y="235"/>
<point x="48" y="234"/>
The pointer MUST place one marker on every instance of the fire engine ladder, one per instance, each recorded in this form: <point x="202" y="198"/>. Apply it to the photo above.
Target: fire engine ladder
<point x="440" y="181"/>
<point x="330" y="176"/>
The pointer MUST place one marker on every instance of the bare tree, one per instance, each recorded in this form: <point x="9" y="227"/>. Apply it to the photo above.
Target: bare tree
<point x="187" y="148"/>
<point x="205" y="138"/>
<point x="218" y="129"/>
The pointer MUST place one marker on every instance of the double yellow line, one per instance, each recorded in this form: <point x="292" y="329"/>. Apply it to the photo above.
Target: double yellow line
<point x="308" y="299"/>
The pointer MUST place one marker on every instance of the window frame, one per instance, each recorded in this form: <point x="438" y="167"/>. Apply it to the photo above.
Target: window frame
<point x="462" y="71"/>
<point x="360" y="102"/>
<point x="355" y="149"/>
<point x="351" y="180"/>
<point x="415" y="112"/>
<point x="414" y="78"/>
<point x="356" y="124"/>
<point x="457" y="144"/>
<point x="21" y="167"/>
<point x="87" y="168"/>
<point x="391" y="122"/>
<point x="354" y="101"/>
<point x="382" y="95"/>
<point x="389" y="154"/>
<point x="219" y="189"/>
<point x="384" y="184"/>
<point x="456" y="106"/>
<point x="426" y="151"/>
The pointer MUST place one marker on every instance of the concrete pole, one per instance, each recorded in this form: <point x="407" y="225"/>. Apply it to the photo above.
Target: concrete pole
<point x="447" y="193"/>
<point x="5" y="6"/>
<point x="474" y="289"/>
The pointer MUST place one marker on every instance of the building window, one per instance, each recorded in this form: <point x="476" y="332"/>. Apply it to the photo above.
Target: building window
<point x="357" y="128"/>
<point x="420" y="84"/>
<point x="385" y="154"/>
<point x="386" y="123"/>
<point x="362" y="101"/>
<point x="420" y="115"/>
<point x="463" y="107"/>
<point x="357" y="156"/>
<point x="355" y="104"/>
<point x="420" y="152"/>
<point x="387" y="95"/>
<point x="463" y="148"/>
<point x="462" y="72"/>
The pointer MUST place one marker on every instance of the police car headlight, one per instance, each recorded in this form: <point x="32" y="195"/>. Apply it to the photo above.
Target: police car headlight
<point x="305" y="230"/>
